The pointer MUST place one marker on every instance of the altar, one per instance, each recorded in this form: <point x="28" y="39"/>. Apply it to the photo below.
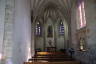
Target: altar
<point x="51" y="49"/>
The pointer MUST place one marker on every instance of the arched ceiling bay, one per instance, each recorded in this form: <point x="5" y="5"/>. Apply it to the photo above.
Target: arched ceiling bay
<point x="52" y="7"/>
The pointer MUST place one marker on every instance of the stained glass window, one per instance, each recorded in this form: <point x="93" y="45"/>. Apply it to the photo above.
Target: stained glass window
<point x="38" y="29"/>
<point x="61" y="28"/>
<point x="81" y="13"/>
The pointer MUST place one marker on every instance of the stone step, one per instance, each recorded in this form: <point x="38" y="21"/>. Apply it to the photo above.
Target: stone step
<point x="51" y="56"/>
<point x="45" y="62"/>
<point x="51" y="59"/>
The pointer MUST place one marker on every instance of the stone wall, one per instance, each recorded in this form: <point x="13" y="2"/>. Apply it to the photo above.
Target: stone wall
<point x="57" y="40"/>
<point x="88" y="56"/>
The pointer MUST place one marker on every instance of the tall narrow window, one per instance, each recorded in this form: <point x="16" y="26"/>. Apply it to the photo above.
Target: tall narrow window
<point x="38" y="29"/>
<point x="61" y="28"/>
<point x="50" y="31"/>
<point x="81" y="13"/>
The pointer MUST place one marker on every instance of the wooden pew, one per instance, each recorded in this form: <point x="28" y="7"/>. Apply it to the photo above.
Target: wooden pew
<point x="51" y="58"/>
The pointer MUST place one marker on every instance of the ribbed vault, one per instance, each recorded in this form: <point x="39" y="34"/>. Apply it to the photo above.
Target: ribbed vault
<point x="51" y="8"/>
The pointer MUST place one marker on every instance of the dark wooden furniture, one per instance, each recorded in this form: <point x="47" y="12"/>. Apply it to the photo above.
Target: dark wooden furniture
<point x="51" y="49"/>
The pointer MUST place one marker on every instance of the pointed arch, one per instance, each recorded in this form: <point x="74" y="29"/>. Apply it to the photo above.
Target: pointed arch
<point x="81" y="23"/>
<point x="61" y="28"/>
<point x="38" y="29"/>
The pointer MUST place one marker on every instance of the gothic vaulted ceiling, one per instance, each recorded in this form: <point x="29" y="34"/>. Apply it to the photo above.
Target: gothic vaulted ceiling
<point x="54" y="8"/>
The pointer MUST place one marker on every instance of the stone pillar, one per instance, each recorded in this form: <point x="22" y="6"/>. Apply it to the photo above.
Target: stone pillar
<point x="2" y="17"/>
<point x="22" y="32"/>
<point x="8" y="28"/>
<point x="8" y="31"/>
<point x="33" y="40"/>
<point x="66" y="34"/>
<point x="55" y="36"/>
<point x="44" y="37"/>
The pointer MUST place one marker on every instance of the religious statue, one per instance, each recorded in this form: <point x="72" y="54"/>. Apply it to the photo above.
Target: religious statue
<point x="82" y="41"/>
<point x="51" y="47"/>
<point x="50" y="43"/>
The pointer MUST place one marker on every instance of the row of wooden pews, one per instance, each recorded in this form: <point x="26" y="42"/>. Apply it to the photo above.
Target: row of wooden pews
<point x="51" y="58"/>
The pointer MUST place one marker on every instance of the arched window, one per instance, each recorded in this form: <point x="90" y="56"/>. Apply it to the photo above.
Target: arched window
<point x="50" y="31"/>
<point x="81" y="14"/>
<point x="61" y="28"/>
<point x="38" y="29"/>
<point x="81" y="23"/>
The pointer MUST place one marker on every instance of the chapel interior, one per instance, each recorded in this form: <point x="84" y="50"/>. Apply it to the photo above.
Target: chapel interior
<point x="47" y="32"/>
